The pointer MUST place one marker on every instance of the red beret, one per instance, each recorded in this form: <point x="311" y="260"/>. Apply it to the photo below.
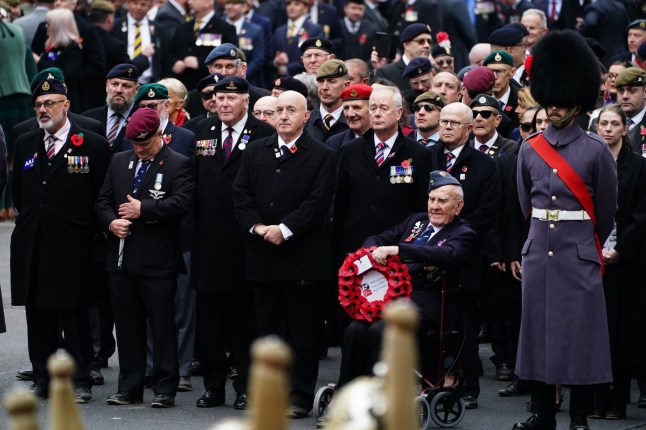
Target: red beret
<point x="479" y="80"/>
<point x="143" y="125"/>
<point x="357" y="92"/>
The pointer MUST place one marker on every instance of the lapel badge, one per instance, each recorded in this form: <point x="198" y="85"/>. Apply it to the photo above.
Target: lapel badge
<point x="131" y="165"/>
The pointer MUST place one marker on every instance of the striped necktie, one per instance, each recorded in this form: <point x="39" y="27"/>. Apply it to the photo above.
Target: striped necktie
<point x="483" y="148"/>
<point x="449" y="161"/>
<point x="379" y="156"/>
<point x="327" y="121"/>
<point x="227" y="144"/>
<point x="424" y="237"/>
<point x="137" y="45"/>
<point x="198" y="25"/>
<point x="112" y="134"/>
<point x="292" y="30"/>
<point x="51" y="146"/>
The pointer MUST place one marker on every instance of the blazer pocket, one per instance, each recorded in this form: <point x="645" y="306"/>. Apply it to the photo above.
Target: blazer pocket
<point x="526" y="246"/>
<point x="588" y="252"/>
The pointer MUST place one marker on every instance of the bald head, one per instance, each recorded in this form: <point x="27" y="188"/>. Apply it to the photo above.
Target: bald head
<point x="292" y="114"/>
<point x="265" y="110"/>
<point x="455" y="125"/>
<point x="478" y="53"/>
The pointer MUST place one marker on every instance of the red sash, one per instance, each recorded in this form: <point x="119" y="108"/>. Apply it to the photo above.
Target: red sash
<point x="571" y="179"/>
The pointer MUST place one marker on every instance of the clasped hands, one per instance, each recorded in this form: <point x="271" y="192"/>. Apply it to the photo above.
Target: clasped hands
<point x="271" y="233"/>
<point x="120" y="227"/>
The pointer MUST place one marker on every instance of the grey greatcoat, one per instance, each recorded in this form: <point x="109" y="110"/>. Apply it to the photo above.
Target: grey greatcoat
<point x="564" y="332"/>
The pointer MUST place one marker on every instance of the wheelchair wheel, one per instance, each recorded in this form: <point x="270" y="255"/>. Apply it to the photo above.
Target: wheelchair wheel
<point x="424" y="411"/>
<point x="322" y="400"/>
<point x="447" y="409"/>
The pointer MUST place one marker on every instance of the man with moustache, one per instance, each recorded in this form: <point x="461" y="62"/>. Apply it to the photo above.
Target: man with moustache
<point x="58" y="174"/>
<point x="427" y="107"/>
<point x="355" y="111"/>
<point x="328" y="119"/>
<point x="225" y="311"/>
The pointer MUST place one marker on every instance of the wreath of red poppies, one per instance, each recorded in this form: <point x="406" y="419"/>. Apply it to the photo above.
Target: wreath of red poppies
<point x="350" y="297"/>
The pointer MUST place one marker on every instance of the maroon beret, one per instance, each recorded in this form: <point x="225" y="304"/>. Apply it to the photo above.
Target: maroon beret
<point x="479" y="80"/>
<point x="357" y="92"/>
<point x="143" y="125"/>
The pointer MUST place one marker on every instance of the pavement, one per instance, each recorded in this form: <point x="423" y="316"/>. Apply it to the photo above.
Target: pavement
<point x="493" y="413"/>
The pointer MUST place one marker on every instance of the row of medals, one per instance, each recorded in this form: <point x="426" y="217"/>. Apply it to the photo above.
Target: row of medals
<point x="401" y="174"/>
<point x="78" y="164"/>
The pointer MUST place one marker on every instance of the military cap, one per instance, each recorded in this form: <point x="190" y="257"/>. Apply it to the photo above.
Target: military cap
<point x="332" y="69"/>
<point x="499" y="57"/>
<point x="506" y="36"/>
<point x="440" y="51"/>
<point x="432" y="98"/>
<point x="440" y="178"/>
<point x="357" y="92"/>
<point x="242" y="56"/>
<point x="414" y="30"/>
<point x="416" y="67"/>
<point x="639" y="24"/>
<point x="232" y="84"/>
<point x="632" y="76"/>
<point x="356" y="1"/>
<point x="209" y="80"/>
<point x="520" y="27"/>
<point x="287" y="83"/>
<point x="151" y="91"/>
<point x="49" y="86"/>
<point x="12" y="3"/>
<point x="143" y="125"/>
<point x="124" y="71"/>
<point x="463" y="71"/>
<point x="102" y="6"/>
<point x="227" y="51"/>
<point x="479" y="80"/>
<point x="317" y="43"/>
<point x="45" y="74"/>
<point x="485" y="100"/>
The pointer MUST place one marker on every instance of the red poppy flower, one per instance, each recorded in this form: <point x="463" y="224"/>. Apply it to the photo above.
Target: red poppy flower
<point x="77" y="139"/>
<point x="406" y="164"/>
<point x="362" y="39"/>
<point x="642" y="131"/>
<point x="293" y="149"/>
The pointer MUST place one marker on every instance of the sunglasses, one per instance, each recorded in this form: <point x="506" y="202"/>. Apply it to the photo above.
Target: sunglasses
<point x="427" y="108"/>
<point x="526" y="126"/>
<point x="207" y="95"/>
<point x="485" y="114"/>
<point x="448" y="62"/>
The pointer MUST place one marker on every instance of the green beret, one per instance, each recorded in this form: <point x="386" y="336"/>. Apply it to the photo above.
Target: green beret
<point x="151" y="92"/>
<point x="332" y="69"/>
<point x="12" y="3"/>
<point x="47" y="74"/>
<point x="632" y="76"/>
<point x="102" y="6"/>
<point x="499" y="57"/>
<point x="431" y="97"/>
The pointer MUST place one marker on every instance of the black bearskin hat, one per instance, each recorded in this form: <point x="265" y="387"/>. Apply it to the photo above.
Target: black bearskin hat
<point x="565" y="71"/>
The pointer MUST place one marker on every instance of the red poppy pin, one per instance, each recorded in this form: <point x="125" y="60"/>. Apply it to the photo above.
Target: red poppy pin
<point x="77" y="139"/>
<point x="293" y="149"/>
<point x="363" y="38"/>
<point x="464" y="169"/>
<point x="406" y="164"/>
<point x="167" y="138"/>
<point x="507" y="108"/>
<point x="642" y="131"/>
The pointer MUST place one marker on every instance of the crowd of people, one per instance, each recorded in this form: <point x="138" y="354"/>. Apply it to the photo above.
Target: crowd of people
<point x="208" y="166"/>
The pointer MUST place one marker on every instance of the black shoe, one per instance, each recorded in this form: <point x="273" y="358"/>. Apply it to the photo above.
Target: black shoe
<point x="25" y="374"/>
<point x="536" y="422"/>
<point x="615" y="414"/>
<point x="503" y="372"/>
<point x="470" y="402"/>
<point x="516" y="388"/>
<point x="97" y="377"/>
<point x="641" y="402"/>
<point x="124" y="398"/>
<point x="38" y="391"/>
<point x="82" y="395"/>
<point x="233" y="373"/>
<point x="184" y="384"/>
<point x="579" y="422"/>
<point x="163" y="401"/>
<point x="211" y="399"/>
<point x="296" y="412"/>
<point x="240" y="402"/>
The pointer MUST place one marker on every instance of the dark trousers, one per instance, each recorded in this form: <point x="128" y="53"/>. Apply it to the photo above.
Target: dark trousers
<point x="43" y="339"/>
<point x="224" y="320"/>
<point x="470" y="358"/>
<point x="506" y="321"/>
<point x="135" y="300"/>
<point x="102" y="318"/>
<point x="293" y="310"/>
<point x="544" y="399"/>
<point x="360" y="349"/>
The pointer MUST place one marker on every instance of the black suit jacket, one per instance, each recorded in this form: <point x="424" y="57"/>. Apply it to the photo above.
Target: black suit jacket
<point x="500" y="147"/>
<point x="192" y="124"/>
<point x="83" y="122"/>
<point x="116" y="52"/>
<point x="393" y="72"/>
<point x="152" y="248"/>
<point x="170" y="18"/>
<point x="606" y="22"/>
<point x="56" y="223"/>
<point x="636" y="137"/>
<point x="218" y="258"/>
<point x="295" y="189"/>
<point x="317" y="130"/>
<point x="101" y="114"/>
<point x="359" y="45"/>
<point x="428" y="12"/>
<point x="461" y="32"/>
<point x="566" y="19"/>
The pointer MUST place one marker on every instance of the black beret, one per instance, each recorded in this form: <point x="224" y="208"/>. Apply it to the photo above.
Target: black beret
<point x="414" y="30"/>
<point x="287" y="83"/>
<point x="232" y="84"/>
<point x="317" y="43"/>
<point x="506" y="36"/>
<point x="416" y="67"/>
<point x="124" y="71"/>
<point x="440" y="178"/>
<point x="485" y="100"/>
<point x="49" y="86"/>
<point x="440" y="51"/>
<point x="209" y="80"/>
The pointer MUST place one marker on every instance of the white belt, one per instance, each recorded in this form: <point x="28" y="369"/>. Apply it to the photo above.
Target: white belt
<point x="556" y="215"/>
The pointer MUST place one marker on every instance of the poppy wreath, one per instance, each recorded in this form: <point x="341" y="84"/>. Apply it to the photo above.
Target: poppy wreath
<point x="350" y="297"/>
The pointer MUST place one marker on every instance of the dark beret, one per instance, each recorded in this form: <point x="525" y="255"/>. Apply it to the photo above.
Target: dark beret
<point x="45" y="74"/>
<point x="211" y="79"/>
<point x="287" y="83"/>
<point x="124" y="71"/>
<point x="479" y="80"/>
<point x="317" y="43"/>
<point x="485" y="100"/>
<point x="440" y="51"/>
<point x="227" y="51"/>
<point x="520" y="27"/>
<point x="143" y="125"/>
<point x="432" y="98"/>
<point x="632" y="76"/>
<point x="356" y="1"/>
<point x="416" y="67"/>
<point x="506" y="36"/>
<point x="499" y="57"/>
<point x="414" y="30"/>
<point x="232" y="84"/>
<point x="332" y="69"/>
<point x="357" y="92"/>
<point x="152" y="91"/>
<point x="639" y="24"/>
<point x="49" y="86"/>
<point x="440" y="178"/>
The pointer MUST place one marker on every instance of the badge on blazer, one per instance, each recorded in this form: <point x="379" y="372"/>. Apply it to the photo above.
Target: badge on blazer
<point x="156" y="193"/>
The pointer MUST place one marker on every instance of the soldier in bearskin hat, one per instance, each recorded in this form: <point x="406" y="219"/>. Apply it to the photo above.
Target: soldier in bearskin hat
<point x="567" y="184"/>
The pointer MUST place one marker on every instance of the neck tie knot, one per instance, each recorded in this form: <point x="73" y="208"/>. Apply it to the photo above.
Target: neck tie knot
<point x="449" y="161"/>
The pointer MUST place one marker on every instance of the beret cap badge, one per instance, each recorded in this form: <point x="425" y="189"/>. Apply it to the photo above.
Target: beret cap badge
<point x="353" y="93"/>
<point x="318" y="42"/>
<point x="232" y="52"/>
<point x="151" y="93"/>
<point x="232" y="86"/>
<point x="130" y="72"/>
<point x="50" y="76"/>
<point x="482" y="100"/>
<point x="498" y="57"/>
<point x="45" y="86"/>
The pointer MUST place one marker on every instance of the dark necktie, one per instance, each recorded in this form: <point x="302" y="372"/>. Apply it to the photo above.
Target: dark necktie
<point x="483" y="148"/>
<point x="112" y="134"/>
<point x="421" y="240"/>
<point x="51" y="146"/>
<point x="140" y="175"/>
<point x="423" y="141"/>
<point x="327" y="121"/>
<point x="553" y="11"/>
<point x="227" y="144"/>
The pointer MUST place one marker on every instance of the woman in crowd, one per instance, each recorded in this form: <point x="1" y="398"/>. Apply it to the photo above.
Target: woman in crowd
<point x="177" y="95"/>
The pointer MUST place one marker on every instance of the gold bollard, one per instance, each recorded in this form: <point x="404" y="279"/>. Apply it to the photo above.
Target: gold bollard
<point x="63" y="412"/>
<point x="21" y="407"/>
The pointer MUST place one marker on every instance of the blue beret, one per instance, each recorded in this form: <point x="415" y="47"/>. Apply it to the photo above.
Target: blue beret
<point x="287" y="83"/>
<point x="232" y="84"/>
<point x="124" y="71"/>
<point x="317" y="43"/>
<point x="414" y="30"/>
<point x="143" y="125"/>
<point x="509" y="35"/>
<point x="440" y="178"/>
<point x="209" y="80"/>
<point x="416" y="67"/>
<point x="227" y="51"/>
<point x="639" y="24"/>
<point x="49" y="86"/>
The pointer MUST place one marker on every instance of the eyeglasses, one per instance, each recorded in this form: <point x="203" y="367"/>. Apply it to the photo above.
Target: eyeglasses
<point x="150" y="105"/>
<point x="448" y="62"/>
<point x="427" y="108"/>
<point x="526" y="126"/>
<point x="207" y="95"/>
<point x="49" y="104"/>
<point x="454" y="124"/>
<point x="266" y="113"/>
<point x="424" y="41"/>
<point x="498" y="71"/>
<point x="485" y="114"/>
